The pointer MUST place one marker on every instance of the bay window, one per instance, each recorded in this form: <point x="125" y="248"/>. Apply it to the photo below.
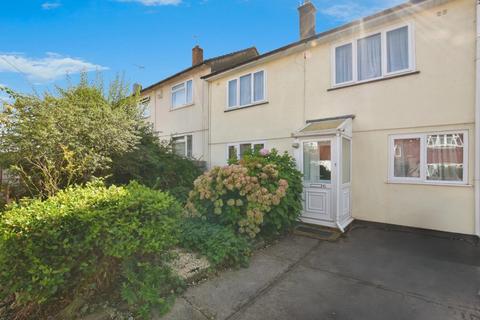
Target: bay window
<point x="237" y="151"/>
<point x="381" y="54"/>
<point x="246" y="90"/>
<point x="182" y="94"/>
<point x="429" y="158"/>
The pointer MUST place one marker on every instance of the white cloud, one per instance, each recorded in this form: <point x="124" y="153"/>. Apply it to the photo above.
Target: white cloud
<point x="50" y="5"/>
<point x="348" y="10"/>
<point x="51" y="67"/>
<point x="151" y="3"/>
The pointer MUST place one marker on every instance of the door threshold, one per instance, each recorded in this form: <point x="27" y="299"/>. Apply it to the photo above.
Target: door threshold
<point x="317" y="232"/>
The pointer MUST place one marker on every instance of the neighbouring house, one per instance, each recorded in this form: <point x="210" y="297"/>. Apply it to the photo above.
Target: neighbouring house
<point x="177" y="106"/>
<point x="379" y="113"/>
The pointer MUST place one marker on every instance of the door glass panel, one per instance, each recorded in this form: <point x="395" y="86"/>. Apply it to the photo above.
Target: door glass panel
<point x="317" y="161"/>
<point x="346" y="158"/>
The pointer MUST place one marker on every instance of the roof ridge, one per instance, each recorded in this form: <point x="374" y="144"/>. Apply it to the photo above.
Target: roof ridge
<point x="231" y="54"/>
<point x="198" y="65"/>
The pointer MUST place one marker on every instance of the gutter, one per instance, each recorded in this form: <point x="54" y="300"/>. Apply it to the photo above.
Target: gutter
<point x="477" y="125"/>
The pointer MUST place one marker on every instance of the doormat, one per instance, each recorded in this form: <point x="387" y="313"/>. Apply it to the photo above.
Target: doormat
<point x="317" y="232"/>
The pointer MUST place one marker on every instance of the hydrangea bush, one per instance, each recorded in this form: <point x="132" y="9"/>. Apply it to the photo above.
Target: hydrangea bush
<point x="260" y="193"/>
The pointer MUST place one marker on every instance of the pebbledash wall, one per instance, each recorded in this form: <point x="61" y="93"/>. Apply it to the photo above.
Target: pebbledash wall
<point x="437" y="95"/>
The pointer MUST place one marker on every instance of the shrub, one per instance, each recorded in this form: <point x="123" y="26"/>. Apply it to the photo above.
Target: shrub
<point x="260" y="193"/>
<point x="155" y="165"/>
<point x="284" y="215"/>
<point x="57" y="140"/>
<point x="77" y="239"/>
<point x="149" y="285"/>
<point x="222" y="247"/>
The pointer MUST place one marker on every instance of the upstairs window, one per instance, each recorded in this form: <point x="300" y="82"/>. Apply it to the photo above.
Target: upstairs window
<point x="182" y="94"/>
<point x="246" y="90"/>
<point x="144" y="107"/>
<point x="378" y="55"/>
<point x="369" y="57"/>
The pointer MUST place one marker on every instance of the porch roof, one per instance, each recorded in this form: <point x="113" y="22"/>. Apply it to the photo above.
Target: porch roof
<point x="326" y="126"/>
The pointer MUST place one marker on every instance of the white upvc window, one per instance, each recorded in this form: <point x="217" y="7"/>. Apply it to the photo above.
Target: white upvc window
<point x="374" y="56"/>
<point x="182" y="94"/>
<point x="246" y="90"/>
<point x="182" y="145"/>
<point x="236" y="151"/>
<point x="144" y="106"/>
<point x="429" y="158"/>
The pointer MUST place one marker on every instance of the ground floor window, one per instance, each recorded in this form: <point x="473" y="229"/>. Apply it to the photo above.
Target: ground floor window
<point x="237" y="150"/>
<point x="182" y="145"/>
<point x="429" y="157"/>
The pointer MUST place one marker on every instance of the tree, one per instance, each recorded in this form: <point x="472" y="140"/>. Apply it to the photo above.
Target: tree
<point x="67" y="138"/>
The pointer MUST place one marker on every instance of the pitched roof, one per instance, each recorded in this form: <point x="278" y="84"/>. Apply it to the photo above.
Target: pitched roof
<point x="321" y="35"/>
<point x="217" y="64"/>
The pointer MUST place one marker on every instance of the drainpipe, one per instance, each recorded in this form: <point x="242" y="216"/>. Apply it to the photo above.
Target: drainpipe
<point x="477" y="126"/>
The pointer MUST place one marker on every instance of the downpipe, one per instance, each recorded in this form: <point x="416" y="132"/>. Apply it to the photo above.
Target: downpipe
<point x="477" y="123"/>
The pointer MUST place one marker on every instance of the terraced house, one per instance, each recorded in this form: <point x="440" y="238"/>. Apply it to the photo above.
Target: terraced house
<point x="379" y="113"/>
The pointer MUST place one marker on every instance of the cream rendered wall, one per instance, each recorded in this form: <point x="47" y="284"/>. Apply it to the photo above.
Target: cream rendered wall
<point x="272" y="122"/>
<point x="439" y="98"/>
<point x="188" y="120"/>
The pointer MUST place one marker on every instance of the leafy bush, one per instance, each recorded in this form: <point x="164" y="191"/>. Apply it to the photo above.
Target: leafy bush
<point x="284" y="215"/>
<point x="219" y="244"/>
<point x="149" y="285"/>
<point x="77" y="239"/>
<point x="260" y="193"/>
<point x="57" y="140"/>
<point x="155" y="165"/>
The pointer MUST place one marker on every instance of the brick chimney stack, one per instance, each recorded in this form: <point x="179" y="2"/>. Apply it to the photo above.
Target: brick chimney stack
<point x="307" y="19"/>
<point x="197" y="55"/>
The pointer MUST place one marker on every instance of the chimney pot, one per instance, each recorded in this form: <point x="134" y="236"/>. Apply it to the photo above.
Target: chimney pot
<point x="197" y="55"/>
<point x="307" y="19"/>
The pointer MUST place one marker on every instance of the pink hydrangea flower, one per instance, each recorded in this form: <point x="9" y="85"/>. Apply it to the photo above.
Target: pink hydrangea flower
<point x="264" y="152"/>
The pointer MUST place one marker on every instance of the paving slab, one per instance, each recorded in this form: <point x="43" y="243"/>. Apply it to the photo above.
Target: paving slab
<point x="221" y="296"/>
<point x="183" y="310"/>
<point x="291" y="248"/>
<point x="310" y="294"/>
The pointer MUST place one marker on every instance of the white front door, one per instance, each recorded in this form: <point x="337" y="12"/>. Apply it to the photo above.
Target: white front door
<point x="318" y="162"/>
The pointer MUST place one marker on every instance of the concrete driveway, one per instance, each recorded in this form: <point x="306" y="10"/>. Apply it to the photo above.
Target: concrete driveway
<point x="373" y="272"/>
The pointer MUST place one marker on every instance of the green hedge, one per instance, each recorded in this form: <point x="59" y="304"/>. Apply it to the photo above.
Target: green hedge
<point x="219" y="244"/>
<point x="79" y="238"/>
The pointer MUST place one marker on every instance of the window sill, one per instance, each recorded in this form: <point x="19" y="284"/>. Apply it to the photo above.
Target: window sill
<point x="394" y="76"/>
<point x="246" y="106"/>
<point x="182" y="107"/>
<point x="435" y="184"/>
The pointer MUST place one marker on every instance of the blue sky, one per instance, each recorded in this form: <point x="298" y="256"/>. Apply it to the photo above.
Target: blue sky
<point x="147" y="40"/>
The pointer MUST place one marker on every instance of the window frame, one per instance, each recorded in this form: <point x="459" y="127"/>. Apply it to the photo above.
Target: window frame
<point x="423" y="158"/>
<point x="384" y="55"/>
<point x="186" y="104"/>
<point x="237" y="146"/>
<point x="252" y="90"/>
<point x="145" y="104"/>
<point x="185" y="139"/>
